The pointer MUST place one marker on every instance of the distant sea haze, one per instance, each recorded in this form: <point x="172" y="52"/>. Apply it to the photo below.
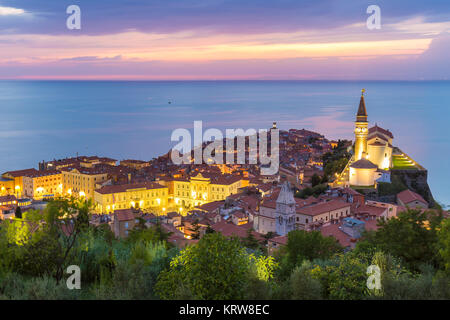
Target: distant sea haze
<point x="43" y="120"/>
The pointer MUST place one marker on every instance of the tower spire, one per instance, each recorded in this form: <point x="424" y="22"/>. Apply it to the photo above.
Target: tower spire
<point x="361" y="129"/>
<point x="361" y="116"/>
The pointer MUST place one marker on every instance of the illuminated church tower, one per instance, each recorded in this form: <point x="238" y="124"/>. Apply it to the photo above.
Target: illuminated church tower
<point x="361" y="130"/>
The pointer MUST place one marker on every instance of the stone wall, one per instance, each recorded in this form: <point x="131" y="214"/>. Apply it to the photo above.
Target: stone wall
<point x="416" y="180"/>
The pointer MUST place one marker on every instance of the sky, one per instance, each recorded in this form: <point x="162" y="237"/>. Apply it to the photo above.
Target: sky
<point x="224" y="40"/>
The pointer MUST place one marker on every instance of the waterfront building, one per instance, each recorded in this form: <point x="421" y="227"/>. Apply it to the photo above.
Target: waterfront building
<point x="147" y="195"/>
<point x="81" y="181"/>
<point x="6" y="186"/>
<point x="14" y="181"/>
<point x="43" y="184"/>
<point x="203" y="188"/>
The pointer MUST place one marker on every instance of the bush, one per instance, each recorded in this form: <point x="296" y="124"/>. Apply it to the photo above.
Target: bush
<point x="16" y="287"/>
<point x="215" y="268"/>
<point x="303" y="286"/>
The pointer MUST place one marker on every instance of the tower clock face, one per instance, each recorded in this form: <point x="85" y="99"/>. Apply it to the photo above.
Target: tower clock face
<point x="358" y="130"/>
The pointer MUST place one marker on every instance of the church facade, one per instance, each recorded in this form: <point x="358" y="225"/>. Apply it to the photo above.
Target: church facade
<point x="372" y="157"/>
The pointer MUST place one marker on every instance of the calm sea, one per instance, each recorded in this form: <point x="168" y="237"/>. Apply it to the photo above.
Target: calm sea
<point x="55" y="119"/>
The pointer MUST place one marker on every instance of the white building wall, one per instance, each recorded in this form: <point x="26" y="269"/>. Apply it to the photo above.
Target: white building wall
<point x="362" y="177"/>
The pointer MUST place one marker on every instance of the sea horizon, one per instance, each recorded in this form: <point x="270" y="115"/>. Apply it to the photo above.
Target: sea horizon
<point x="51" y="119"/>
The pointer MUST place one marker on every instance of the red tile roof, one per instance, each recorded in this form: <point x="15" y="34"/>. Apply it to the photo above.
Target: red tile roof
<point x="133" y="161"/>
<point x="363" y="164"/>
<point x="229" y="229"/>
<point x="323" y="207"/>
<point x="109" y="189"/>
<point x="124" y="215"/>
<point x="332" y="230"/>
<point x="408" y="196"/>
<point x="43" y="173"/>
<point x="211" y="206"/>
<point x="280" y="240"/>
<point x="351" y="191"/>
<point x="21" y="173"/>
<point x="376" y="129"/>
<point x="7" y="198"/>
<point x="370" y="210"/>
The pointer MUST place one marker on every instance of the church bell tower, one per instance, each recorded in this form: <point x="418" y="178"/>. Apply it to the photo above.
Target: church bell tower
<point x="285" y="210"/>
<point x="361" y="129"/>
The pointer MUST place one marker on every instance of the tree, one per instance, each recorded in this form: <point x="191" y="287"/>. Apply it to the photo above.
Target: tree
<point x="216" y="267"/>
<point x="18" y="213"/>
<point x="269" y="235"/>
<point x="315" y="180"/>
<point x="209" y="230"/>
<point x="65" y="219"/>
<point x="154" y="233"/>
<point x="412" y="236"/>
<point x="336" y="160"/>
<point x="348" y="280"/>
<point x="302" y="285"/>
<point x="195" y="228"/>
<point x="305" y="245"/>
<point x="250" y="241"/>
<point x="315" y="191"/>
<point x="444" y="244"/>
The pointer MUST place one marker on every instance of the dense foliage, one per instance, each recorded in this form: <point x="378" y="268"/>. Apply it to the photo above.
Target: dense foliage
<point x="411" y="251"/>
<point x="336" y="160"/>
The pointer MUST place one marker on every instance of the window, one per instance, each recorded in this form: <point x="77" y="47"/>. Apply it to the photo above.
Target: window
<point x="306" y="220"/>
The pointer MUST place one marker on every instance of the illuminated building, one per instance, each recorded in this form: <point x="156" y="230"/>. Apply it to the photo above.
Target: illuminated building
<point x="6" y="186"/>
<point x="147" y="195"/>
<point x="43" y="184"/>
<point x="374" y="155"/>
<point x="363" y="172"/>
<point x="379" y="147"/>
<point x="8" y="200"/>
<point x="81" y="181"/>
<point x="16" y="177"/>
<point x="203" y="188"/>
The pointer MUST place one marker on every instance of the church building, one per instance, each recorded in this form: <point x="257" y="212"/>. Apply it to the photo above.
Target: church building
<point x="372" y="157"/>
